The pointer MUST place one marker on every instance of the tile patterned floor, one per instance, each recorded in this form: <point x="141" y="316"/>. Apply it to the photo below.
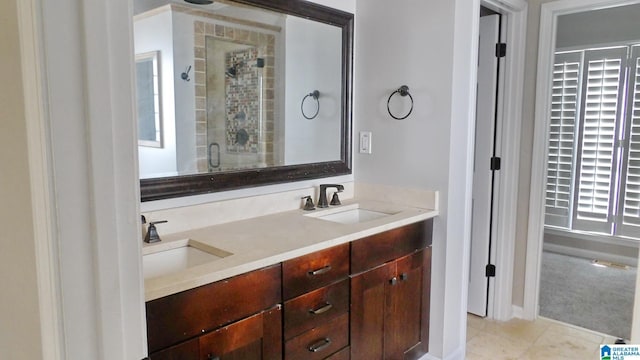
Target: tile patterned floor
<point x="525" y="340"/>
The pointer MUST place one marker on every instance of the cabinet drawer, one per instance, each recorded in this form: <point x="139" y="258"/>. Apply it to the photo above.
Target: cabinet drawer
<point x="253" y="338"/>
<point x="378" y="249"/>
<point x="315" y="308"/>
<point x="315" y="270"/>
<point x="189" y="350"/>
<point x="181" y="316"/>
<point x="343" y="354"/>
<point x="320" y="342"/>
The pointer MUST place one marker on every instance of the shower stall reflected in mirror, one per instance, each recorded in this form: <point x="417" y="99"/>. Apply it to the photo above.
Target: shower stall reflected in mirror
<point x="235" y="104"/>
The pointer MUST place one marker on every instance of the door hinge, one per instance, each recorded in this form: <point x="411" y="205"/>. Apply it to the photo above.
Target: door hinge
<point x="501" y="50"/>
<point x="490" y="270"/>
<point x="495" y="163"/>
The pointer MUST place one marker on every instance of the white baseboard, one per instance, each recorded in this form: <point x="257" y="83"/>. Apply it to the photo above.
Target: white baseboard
<point x="429" y="357"/>
<point x="589" y="254"/>
<point x="459" y="354"/>
<point x="517" y="312"/>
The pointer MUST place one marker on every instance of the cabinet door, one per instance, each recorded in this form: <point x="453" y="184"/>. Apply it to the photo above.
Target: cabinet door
<point x="368" y="307"/>
<point x="257" y="337"/>
<point x="403" y="318"/>
<point x="390" y="309"/>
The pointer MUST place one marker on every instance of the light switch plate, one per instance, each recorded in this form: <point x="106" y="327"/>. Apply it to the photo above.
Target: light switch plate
<point x="365" y="142"/>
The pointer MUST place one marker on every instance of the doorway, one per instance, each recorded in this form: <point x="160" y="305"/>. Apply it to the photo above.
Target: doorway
<point x="498" y="294"/>
<point x="486" y="167"/>
<point x="569" y="225"/>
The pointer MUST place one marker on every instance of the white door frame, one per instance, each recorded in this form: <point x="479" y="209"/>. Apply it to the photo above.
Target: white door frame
<point x="48" y="276"/>
<point x="508" y="148"/>
<point x="548" y="23"/>
<point x="83" y="172"/>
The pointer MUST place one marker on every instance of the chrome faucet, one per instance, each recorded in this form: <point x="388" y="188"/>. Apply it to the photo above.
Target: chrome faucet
<point x="322" y="199"/>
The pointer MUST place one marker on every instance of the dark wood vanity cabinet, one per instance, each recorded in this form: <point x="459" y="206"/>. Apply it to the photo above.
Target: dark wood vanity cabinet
<point x="368" y="299"/>
<point x="236" y="318"/>
<point x="316" y="307"/>
<point x="390" y="297"/>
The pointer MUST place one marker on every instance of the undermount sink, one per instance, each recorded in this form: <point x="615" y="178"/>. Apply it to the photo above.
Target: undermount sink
<point x="168" y="258"/>
<point x="350" y="214"/>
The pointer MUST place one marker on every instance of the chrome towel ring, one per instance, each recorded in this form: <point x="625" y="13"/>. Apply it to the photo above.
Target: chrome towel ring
<point x="403" y="91"/>
<point x="315" y="95"/>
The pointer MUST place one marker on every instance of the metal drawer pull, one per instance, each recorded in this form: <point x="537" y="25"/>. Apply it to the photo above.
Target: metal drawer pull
<point x="393" y="280"/>
<point x="320" y="271"/>
<point x="320" y="345"/>
<point x="404" y="277"/>
<point x="321" y="310"/>
<point x="213" y="357"/>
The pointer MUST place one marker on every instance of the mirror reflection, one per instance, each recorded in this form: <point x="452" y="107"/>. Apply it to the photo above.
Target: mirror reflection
<point x="234" y="85"/>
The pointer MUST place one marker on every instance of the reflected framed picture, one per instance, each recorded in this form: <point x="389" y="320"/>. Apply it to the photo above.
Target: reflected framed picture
<point x="148" y="99"/>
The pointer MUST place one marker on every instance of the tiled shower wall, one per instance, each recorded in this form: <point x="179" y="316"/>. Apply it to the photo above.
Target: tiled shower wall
<point x="265" y="43"/>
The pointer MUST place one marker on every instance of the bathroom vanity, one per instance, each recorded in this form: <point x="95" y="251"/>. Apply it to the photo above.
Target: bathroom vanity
<point x="357" y="290"/>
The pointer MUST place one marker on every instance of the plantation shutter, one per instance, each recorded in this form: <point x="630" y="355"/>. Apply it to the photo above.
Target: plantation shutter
<point x="562" y="127"/>
<point x="629" y="208"/>
<point x="602" y="86"/>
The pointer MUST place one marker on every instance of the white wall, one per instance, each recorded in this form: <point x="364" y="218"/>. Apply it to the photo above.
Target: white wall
<point x="155" y="33"/>
<point x="313" y="62"/>
<point x="20" y="336"/>
<point x="412" y="43"/>
<point x="185" y="108"/>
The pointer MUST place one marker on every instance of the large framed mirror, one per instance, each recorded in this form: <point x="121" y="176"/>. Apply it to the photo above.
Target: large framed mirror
<point x="254" y="92"/>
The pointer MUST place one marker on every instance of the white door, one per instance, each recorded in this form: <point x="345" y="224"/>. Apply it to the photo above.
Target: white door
<point x="483" y="178"/>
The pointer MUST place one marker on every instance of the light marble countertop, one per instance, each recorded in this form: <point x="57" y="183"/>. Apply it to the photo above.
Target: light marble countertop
<point x="266" y="240"/>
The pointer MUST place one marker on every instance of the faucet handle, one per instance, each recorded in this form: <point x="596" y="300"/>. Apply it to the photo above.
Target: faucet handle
<point x="152" y="233"/>
<point x="308" y="205"/>
<point x="335" y="200"/>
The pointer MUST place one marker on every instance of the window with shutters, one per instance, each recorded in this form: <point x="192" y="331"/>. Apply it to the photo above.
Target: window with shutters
<point x="593" y="163"/>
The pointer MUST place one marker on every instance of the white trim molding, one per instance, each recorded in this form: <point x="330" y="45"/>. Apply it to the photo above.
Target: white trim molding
<point x="517" y="312"/>
<point x="589" y="254"/>
<point x="87" y="56"/>
<point x="33" y="81"/>
<point x="548" y="23"/>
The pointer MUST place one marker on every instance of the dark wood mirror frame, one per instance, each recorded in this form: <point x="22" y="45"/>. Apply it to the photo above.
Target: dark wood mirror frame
<point x="186" y="185"/>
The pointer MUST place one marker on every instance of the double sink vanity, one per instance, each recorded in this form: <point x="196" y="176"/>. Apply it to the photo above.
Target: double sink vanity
<point x="267" y="279"/>
<point x="347" y="282"/>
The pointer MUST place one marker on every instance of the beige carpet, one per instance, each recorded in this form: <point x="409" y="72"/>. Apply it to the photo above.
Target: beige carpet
<point x="574" y="291"/>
